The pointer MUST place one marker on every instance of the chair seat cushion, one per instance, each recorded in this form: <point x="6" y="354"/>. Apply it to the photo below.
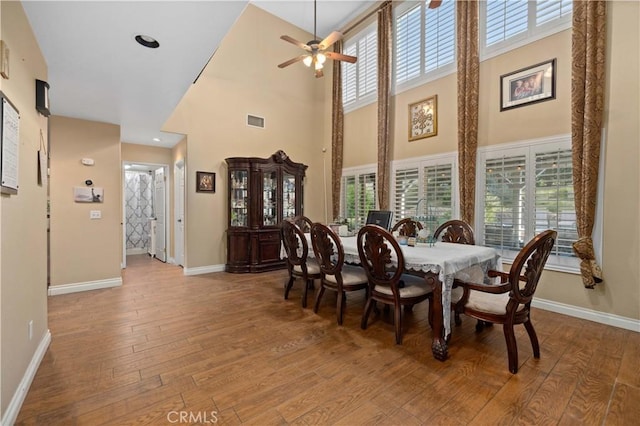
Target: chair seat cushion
<point x="312" y="267"/>
<point x="485" y="302"/>
<point x="351" y="275"/>
<point x="413" y="287"/>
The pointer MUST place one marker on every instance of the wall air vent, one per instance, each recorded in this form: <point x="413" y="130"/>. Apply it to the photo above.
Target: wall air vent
<point x="255" y="121"/>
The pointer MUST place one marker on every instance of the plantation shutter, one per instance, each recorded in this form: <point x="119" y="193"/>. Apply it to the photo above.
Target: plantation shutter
<point x="406" y="192"/>
<point x="366" y="197"/>
<point x="408" y="45"/>
<point x="554" y="200"/>
<point x="505" y="19"/>
<point x="504" y="204"/>
<point x="438" y="204"/>
<point x="439" y="47"/>
<point x="547" y="11"/>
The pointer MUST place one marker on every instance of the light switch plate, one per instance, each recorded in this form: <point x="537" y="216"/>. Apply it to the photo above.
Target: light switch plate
<point x="95" y="214"/>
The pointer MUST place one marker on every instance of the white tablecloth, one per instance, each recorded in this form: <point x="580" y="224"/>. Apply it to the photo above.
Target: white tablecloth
<point x="444" y="259"/>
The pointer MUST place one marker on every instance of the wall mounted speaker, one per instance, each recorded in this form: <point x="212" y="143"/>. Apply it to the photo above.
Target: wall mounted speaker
<point x="42" y="97"/>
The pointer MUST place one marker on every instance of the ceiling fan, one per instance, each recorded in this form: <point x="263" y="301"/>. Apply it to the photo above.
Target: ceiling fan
<point x="316" y="53"/>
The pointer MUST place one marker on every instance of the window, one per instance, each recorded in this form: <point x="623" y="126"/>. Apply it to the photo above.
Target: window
<point x="425" y="46"/>
<point x="358" y="195"/>
<point x="425" y="189"/>
<point x="360" y="80"/>
<point x="509" y="24"/>
<point x="524" y="189"/>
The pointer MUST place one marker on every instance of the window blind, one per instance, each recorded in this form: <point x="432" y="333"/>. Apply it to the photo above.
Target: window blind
<point x="407" y="192"/>
<point x="504" y="202"/>
<point x="554" y="198"/>
<point x="408" y="44"/>
<point x="505" y="19"/>
<point x="438" y="201"/>
<point x="550" y="10"/>
<point x="440" y="36"/>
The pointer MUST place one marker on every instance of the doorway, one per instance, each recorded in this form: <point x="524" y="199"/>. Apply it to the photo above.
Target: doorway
<point x="178" y="250"/>
<point x="145" y="200"/>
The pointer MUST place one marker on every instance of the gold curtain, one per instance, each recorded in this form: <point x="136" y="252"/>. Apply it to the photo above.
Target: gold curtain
<point x="587" y="104"/>
<point x="384" y="78"/>
<point x="337" y="136"/>
<point x="468" y="83"/>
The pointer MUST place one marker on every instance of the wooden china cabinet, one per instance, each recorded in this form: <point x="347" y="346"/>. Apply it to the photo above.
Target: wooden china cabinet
<point x="262" y="192"/>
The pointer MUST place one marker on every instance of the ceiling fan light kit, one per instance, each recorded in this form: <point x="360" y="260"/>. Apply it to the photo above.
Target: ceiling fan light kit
<point x="316" y="53"/>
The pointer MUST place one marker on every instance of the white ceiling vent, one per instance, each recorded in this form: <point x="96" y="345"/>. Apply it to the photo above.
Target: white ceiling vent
<point x="255" y="121"/>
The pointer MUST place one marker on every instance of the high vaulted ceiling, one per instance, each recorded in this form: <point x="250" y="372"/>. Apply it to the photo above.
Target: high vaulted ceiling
<point x="98" y="72"/>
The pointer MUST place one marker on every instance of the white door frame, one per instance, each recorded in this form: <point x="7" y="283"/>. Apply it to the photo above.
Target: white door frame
<point x="168" y="216"/>
<point x="179" y="201"/>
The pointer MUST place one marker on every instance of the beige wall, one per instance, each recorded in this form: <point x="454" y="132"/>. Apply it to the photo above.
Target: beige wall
<point x="145" y="154"/>
<point x="84" y="250"/>
<point x="620" y="294"/>
<point x="23" y="264"/>
<point x="243" y="78"/>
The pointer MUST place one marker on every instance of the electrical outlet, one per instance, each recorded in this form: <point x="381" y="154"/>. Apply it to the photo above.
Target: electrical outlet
<point x="31" y="330"/>
<point x="95" y="214"/>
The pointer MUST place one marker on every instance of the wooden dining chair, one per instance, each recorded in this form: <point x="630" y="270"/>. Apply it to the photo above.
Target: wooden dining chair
<point x="407" y="227"/>
<point x="303" y="222"/>
<point x="298" y="263"/>
<point x="459" y="232"/>
<point x="335" y="275"/>
<point x="454" y="231"/>
<point x="388" y="283"/>
<point x="509" y="302"/>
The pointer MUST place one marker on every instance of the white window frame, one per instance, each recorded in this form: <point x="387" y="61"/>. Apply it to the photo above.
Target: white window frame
<point x="423" y="76"/>
<point x="533" y="32"/>
<point x="420" y="163"/>
<point x="529" y="148"/>
<point x="356" y="172"/>
<point x="369" y="98"/>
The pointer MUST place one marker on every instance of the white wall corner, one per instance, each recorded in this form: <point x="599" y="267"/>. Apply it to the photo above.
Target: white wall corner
<point x="85" y="286"/>
<point x="204" y="269"/>
<point x="11" y="414"/>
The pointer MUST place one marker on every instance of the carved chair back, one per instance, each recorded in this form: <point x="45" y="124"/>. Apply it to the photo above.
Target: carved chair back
<point x="407" y="227"/>
<point x="376" y="248"/>
<point x="455" y="231"/>
<point x="327" y="247"/>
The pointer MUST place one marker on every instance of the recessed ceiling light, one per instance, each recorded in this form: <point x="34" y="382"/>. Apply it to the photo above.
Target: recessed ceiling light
<point x="157" y="140"/>
<point x="147" y="41"/>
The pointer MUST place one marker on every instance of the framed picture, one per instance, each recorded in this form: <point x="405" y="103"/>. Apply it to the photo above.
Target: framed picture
<point x="536" y="83"/>
<point x="83" y="194"/>
<point x="205" y="182"/>
<point x="423" y="118"/>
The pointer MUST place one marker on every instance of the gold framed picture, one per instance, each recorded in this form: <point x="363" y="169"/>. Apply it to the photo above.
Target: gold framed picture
<point x="423" y="118"/>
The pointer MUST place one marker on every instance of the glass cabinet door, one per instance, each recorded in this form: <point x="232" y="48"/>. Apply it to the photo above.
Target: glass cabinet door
<point x="269" y="199"/>
<point x="239" y="197"/>
<point x="288" y="195"/>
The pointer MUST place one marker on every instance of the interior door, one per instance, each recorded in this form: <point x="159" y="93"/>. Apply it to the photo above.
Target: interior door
<point x="179" y="215"/>
<point x="159" y="208"/>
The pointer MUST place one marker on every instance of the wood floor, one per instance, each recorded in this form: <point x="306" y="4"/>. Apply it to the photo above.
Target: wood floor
<point x="227" y="349"/>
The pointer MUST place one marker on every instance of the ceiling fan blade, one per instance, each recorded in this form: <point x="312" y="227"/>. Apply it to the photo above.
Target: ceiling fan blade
<point x="319" y="73"/>
<point x="296" y="42"/>
<point x="340" y="57"/>
<point x="434" y="3"/>
<point x="292" y="61"/>
<point x="331" y="38"/>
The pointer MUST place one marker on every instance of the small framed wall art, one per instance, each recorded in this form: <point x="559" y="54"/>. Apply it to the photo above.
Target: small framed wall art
<point x="529" y="85"/>
<point x="205" y="182"/>
<point x="423" y="118"/>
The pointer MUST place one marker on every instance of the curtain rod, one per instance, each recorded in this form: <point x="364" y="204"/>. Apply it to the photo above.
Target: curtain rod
<point x="367" y="16"/>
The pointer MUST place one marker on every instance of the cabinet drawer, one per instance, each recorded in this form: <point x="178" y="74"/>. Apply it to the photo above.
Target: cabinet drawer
<point x="269" y="236"/>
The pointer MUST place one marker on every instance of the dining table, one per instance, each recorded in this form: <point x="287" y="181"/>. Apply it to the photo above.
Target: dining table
<point x="439" y="263"/>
